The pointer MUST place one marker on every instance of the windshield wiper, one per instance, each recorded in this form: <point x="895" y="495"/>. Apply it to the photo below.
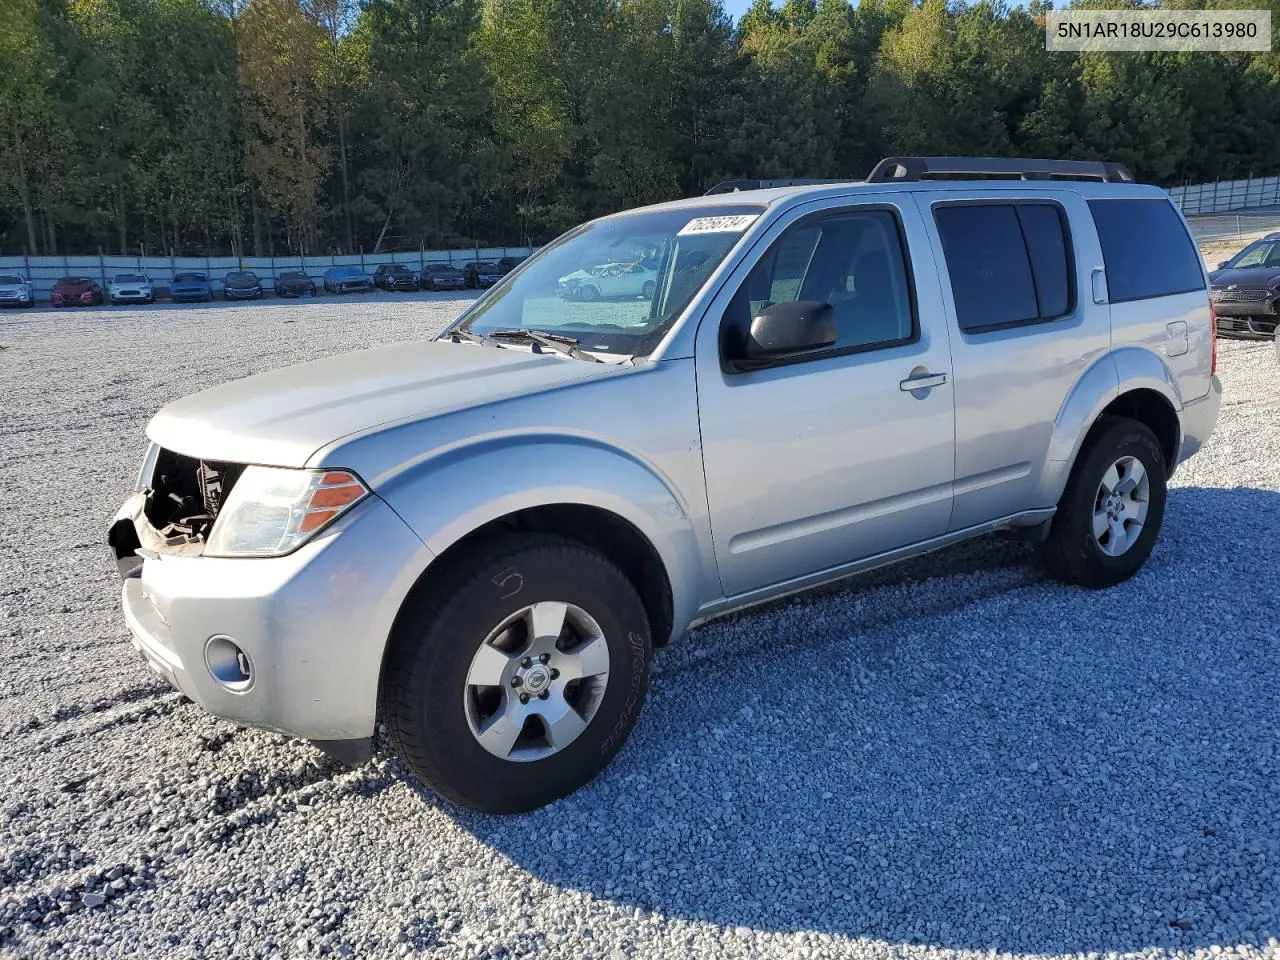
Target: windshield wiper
<point x="457" y="336"/>
<point x="555" y="341"/>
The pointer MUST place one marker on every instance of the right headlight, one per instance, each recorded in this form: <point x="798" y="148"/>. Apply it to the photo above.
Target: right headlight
<point x="272" y="511"/>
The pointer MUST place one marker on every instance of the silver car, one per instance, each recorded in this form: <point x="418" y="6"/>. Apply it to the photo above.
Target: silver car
<point x="16" y="291"/>
<point x="481" y="539"/>
<point x="131" y="288"/>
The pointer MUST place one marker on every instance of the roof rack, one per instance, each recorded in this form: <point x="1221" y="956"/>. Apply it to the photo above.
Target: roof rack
<point x="908" y="169"/>
<point x="733" y="186"/>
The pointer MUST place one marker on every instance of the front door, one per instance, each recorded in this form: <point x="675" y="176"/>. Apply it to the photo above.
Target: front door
<point x="829" y="457"/>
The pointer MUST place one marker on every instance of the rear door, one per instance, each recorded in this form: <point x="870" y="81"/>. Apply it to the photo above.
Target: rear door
<point x="1016" y="270"/>
<point x="841" y="454"/>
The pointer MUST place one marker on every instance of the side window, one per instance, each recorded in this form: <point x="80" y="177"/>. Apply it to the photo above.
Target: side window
<point x="1146" y="249"/>
<point x="1009" y="263"/>
<point x="853" y="261"/>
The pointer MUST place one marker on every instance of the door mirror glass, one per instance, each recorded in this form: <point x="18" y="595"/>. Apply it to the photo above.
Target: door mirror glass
<point x="784" y="329"/>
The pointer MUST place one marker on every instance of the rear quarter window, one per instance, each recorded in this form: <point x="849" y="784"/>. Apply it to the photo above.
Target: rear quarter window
<point x="1146" y="249"/>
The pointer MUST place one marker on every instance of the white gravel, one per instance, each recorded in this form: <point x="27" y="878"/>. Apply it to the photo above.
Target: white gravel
<point x="949" y="758"/>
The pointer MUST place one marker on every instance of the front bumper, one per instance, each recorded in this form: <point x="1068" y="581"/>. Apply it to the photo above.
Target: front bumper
<point x="313" y="625"/>
<point x="14" y="299"/>
<point x="131" y="296"/>
<point x="354" y="287"/>
<point x="177" y="295"/>
<point x="232" y="293"/>
<point x="1256" y="319"/>
<point x="1198" y="418"/>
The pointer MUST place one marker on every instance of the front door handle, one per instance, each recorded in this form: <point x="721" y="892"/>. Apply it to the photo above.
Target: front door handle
<point x="922" y="381"/>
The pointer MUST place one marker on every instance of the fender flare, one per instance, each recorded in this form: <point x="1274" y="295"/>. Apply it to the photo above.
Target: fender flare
<point x="458" y="490"/>
<point x="1121" y="371"/>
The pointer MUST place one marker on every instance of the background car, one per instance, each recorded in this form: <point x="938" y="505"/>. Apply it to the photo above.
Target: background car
<point x="190" y="285"/>
<point x="1246" y="290"/>
<point x="441" y="276"/>
<point x="507" y="264"/>
<point x="294" y="284"/>
<point x="482" y="273"/>
<point x="241" y="285"/>
<point x="394" y="276"/>
<point x="347" y="280"/>
<point x="15" y="291"/>
<point x="610" y="280"/>
<point x="131" y="288"/>
<point x="76" y="291"/>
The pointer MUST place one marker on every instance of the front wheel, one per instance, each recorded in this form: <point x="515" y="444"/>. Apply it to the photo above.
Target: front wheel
<point x="514" y="678"/>
<point x="1110" y="514"/>
<point x="647" y="290"/>
<point x="588" y="292"/>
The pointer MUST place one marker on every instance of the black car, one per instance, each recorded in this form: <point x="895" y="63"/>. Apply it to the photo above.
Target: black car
<point x="1246" y="290"/>
<point x="394" y="276"/>
<point x="482" y="273"/>
<point x="442" y="276"/>
<point x="241" y="285"/>
<point x="507" y="264"/>
<point x="293" y="284"/>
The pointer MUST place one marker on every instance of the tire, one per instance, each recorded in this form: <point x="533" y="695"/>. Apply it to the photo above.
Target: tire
<point x="430" y="708"/>
<point x="588" y="293"/>
<point x="647" y="290"/>
<point x="1074" y="552"/>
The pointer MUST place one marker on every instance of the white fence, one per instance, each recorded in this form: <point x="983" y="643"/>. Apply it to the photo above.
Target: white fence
<point x="1224" y="195"/>
<point x="44" y="272"/>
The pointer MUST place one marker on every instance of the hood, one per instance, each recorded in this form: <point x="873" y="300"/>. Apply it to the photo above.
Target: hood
<point x="576" y="277"/>
<point x="283" y="417"/>
<point x="240" y="283"/>
<point x="14" y="286"/>
<point x="190" y="283"/>
<point x="1248" y="277"/>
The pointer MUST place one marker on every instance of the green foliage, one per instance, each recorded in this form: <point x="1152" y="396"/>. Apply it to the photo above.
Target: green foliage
<point x="202" y="126"/>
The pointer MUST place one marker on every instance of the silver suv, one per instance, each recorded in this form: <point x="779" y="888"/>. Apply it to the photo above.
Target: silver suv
<point x="480" y="539"/>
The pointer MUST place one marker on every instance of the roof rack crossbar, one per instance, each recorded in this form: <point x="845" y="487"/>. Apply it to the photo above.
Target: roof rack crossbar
<point x="733" y="186"/>
<point x="908" y="169"/>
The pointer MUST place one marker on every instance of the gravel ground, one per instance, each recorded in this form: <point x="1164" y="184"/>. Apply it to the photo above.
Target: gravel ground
<point x="949" y="758"/>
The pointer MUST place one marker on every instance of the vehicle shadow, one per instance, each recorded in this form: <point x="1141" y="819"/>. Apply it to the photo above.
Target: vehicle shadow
<point x="960" y="753"/>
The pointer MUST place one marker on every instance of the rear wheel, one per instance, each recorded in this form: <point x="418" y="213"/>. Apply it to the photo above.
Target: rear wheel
<point x="513" y="680"/>
<point x="1110" y="514"/>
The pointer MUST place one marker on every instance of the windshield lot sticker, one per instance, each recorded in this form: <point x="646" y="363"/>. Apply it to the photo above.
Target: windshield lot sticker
<point x="718" y="224"/>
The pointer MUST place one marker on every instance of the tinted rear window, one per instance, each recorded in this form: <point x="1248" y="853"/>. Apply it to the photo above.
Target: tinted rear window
<point x="989" y="267"/>
<point x="1146" y="249"/>
<point x="1047" y="246"/>
<point x="1009" y="263"/>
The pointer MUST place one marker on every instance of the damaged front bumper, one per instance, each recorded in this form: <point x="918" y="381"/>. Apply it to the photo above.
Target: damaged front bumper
<point x="290" y="644"/>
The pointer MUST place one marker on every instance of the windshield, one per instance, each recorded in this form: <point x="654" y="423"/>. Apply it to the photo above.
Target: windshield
<point x="10" y="278"/>
<point x="293" y="276"/>
<point x="1263" y="253"/>
<point x="71" y="280"/>
<point x="188" y="278"/>
<point x="617" y="284"/>
<point x="130" y="278"/>
<point x="241" y="276"/>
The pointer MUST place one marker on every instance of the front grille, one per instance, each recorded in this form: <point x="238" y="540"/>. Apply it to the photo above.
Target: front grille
<point x="1244" y="295"/>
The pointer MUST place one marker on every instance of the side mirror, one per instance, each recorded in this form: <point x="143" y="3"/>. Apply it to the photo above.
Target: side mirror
<point x="784" y="329"/>
<point x="1222" y="265"/>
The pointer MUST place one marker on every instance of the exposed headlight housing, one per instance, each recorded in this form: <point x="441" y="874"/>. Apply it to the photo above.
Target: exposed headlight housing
<point x="272" y="511"/>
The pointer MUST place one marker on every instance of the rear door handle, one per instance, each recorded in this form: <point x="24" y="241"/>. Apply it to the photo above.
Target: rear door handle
<point x="922" y="381"/>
